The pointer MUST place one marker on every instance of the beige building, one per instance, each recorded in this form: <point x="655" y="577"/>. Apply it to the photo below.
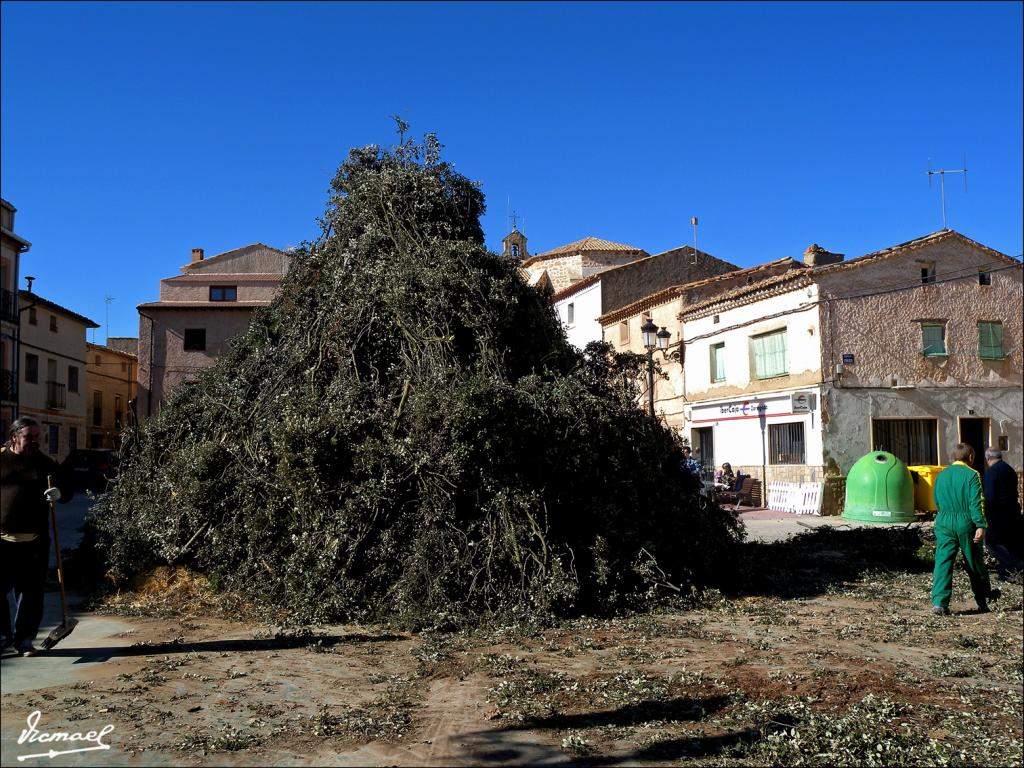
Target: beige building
<point x="198" y="312"/>
<point x="567" y="264"/>
<point x="11" y="248"/>
<point x="52" y="381"/>
<point x="621" y="327"/>
<point x="110" y="383"/>
<point x="910" y="349"/>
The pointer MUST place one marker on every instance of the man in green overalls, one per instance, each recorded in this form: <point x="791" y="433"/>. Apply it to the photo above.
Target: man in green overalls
<point x="959" y="526"/>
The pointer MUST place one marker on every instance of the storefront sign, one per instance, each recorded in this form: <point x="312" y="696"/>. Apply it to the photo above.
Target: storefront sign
<point x="802" y="402"/>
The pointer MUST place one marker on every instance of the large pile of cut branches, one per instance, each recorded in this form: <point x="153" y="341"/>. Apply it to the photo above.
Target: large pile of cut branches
<point x="405" y="433"/>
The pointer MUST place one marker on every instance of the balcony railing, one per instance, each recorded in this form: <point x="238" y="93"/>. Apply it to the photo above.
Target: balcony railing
<point x="8" y="386"/>
<point x="9" y="306"/>
<point x="56" y="395"/>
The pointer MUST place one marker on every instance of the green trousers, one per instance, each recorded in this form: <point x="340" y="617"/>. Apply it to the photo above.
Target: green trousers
<point x="955" y="533"/>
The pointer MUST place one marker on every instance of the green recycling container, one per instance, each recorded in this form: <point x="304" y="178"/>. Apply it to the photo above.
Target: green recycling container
<point x="879" y="489"/>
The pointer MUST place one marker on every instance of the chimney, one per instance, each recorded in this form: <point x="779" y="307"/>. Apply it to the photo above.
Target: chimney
<point x="816" y="256"/>
<point x="197" y="255"/>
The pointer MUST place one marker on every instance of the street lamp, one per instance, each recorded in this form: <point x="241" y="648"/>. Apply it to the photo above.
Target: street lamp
<point x="653" y="339"/>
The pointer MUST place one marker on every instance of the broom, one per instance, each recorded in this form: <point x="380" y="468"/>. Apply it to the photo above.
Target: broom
<point x="67" y="626"/>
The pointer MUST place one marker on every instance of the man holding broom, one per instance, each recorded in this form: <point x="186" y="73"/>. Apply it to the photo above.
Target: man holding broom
<point x="25" y="497"/>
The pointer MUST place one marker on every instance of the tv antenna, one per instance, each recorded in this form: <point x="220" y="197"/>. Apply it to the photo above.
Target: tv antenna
<point x="693" y="221"/>
<point x="107" y="300"/>
<point x="941" y="173"/>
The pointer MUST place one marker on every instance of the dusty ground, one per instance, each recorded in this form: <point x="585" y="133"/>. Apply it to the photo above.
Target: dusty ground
<point x="819" y="670"/>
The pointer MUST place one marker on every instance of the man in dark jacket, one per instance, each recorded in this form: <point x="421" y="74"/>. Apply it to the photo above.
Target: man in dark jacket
<point x="25" y="495"/>
<point x="1002" y="509"/>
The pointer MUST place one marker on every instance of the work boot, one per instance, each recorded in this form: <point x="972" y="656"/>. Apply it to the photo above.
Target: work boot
<point x="940" y="610"/>
<point x="25" y="648"/>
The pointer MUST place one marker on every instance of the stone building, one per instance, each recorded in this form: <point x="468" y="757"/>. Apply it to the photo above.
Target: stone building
<point x="571" y="263"/>
<point x="581" y="304"/>
<point x="52" y="382"/>
<point x="110" y="380"/>
<point x="11" y="248"/>
<point x="910" y="349"/>
<point x="198" y="312"/>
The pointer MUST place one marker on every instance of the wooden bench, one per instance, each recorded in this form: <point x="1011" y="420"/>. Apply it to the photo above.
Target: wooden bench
<point x="750" y="488"/>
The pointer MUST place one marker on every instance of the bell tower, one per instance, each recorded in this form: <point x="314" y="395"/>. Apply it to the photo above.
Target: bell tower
<point x="514" y="244"/>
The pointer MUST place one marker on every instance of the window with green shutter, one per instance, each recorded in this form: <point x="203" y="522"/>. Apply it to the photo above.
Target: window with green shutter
<point x="990" y="341"/>
<point x="769" y="354"/>
<point x="933" y="338"/>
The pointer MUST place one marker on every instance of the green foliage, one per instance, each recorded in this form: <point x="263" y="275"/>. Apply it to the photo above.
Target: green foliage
<point x="405" y="433"/>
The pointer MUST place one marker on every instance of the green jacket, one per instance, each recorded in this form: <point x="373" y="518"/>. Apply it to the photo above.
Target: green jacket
<point x="958" y="493"/>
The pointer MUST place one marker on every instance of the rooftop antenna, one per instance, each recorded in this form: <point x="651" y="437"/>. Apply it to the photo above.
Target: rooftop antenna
<point x="512" y="217"/>
<point x="693" y="221"/>
<point x="107" y="300"/>
<point x="28" y="280"/>
<point x="941" y="173"/>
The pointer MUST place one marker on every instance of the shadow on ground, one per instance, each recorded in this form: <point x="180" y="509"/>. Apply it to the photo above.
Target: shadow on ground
<point x="507" y="746"/>
<point x="320" y="642"/>
<point x="809" y="563"/>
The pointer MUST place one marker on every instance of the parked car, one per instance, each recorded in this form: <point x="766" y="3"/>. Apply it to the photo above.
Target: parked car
<point x="91" y="468"/>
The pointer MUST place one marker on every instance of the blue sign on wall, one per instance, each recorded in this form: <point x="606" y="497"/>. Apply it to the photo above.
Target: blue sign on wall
<point x="847" y="359"/>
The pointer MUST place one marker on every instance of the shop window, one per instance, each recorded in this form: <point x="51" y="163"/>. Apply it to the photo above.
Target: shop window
<point x="53" y="444"/>
<point x="912" y="441"/>
<point x="786" y="443"/>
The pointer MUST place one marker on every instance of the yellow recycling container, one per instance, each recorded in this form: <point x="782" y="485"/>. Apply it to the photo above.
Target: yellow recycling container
<point x="924" y="476"/>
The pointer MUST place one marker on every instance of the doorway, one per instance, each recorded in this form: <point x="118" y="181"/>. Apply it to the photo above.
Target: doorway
<point x="704" y="448"/>
<point x="974" y="432"/>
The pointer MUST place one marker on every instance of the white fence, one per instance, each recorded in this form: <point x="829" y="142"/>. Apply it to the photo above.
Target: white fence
<point x="796" y="498"/>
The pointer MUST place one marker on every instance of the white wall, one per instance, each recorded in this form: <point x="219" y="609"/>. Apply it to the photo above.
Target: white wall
<point x="587" y="308"/>
<point x="737" y="424"/>
<point x="736" y="326"/>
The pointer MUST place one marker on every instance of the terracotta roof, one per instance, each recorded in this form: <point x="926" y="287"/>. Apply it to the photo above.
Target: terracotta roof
<point x="581" y="246"/>
<point x="46" y="303"/>
<point x="757" y="290"/>
<point x="202" y="305"/>
<point x="111" y="350"/>
<point x="919" y="242"/>
<point x="233" y="252"/>
<point x="579" y="285"/>
<point x="225" y="277"/>
<point x="667" y="294"/>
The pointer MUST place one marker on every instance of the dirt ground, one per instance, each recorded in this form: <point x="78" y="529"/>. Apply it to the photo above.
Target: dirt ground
<point x="825" y="671"/>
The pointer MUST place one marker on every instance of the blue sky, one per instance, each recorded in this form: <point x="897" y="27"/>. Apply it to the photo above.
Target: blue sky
<point x="133" y="132"/>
